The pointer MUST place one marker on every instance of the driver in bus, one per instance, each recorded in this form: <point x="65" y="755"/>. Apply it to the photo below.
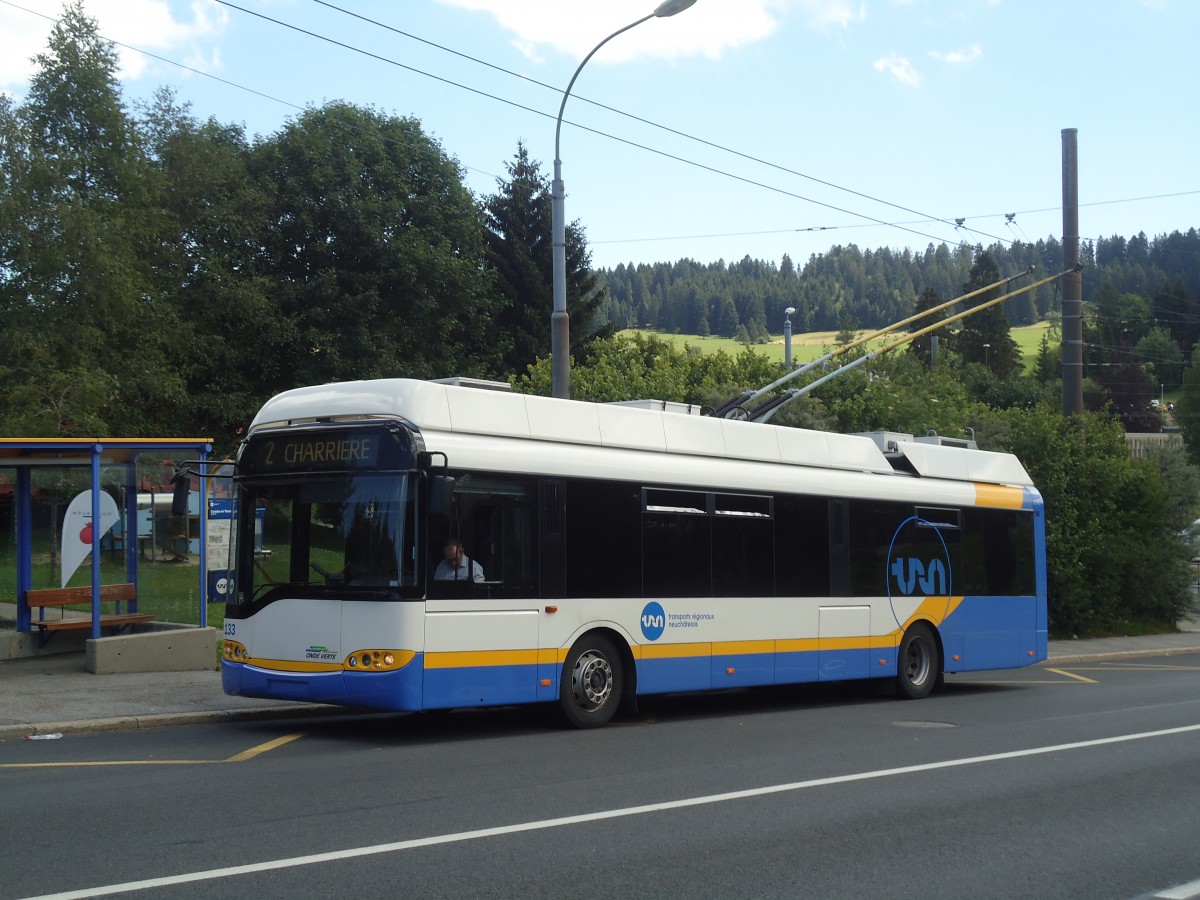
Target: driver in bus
<point x="457" y="566"/>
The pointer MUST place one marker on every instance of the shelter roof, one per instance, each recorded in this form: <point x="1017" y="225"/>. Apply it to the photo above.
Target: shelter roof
<point x="78" y="451"/>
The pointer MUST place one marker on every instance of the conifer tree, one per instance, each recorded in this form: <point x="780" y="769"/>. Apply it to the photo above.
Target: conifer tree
<point x="984" y="337"/>
<point x="517" y="230"/>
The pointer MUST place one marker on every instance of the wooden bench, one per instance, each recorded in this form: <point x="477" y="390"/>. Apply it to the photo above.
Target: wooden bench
<point x="109" y="593"/>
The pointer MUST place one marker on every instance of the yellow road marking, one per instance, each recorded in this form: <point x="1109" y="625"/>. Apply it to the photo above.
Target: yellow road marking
<point x="965" y="681"/>
<point x="1135" y="666"/>
<point x="236" y="758"/>
<point x="112" y="762"/>
<point x="263" y="748"/>
<point x="1073" y="675"/>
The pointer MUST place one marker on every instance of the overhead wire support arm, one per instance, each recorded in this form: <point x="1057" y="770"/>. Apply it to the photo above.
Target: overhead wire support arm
<point x="730" y="408"/>
<point x="764" y="413"/>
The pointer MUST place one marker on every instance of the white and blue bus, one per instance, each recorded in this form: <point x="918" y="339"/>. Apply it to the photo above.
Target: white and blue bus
<point x="610" y="552"/>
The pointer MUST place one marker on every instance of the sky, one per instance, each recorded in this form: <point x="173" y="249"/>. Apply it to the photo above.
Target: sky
<point x="735" y="128"/>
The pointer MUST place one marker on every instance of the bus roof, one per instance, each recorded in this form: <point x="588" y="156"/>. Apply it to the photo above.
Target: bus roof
<point x="433" y="407"/>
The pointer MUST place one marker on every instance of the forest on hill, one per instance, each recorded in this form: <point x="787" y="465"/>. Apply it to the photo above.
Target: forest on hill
<point x="850" y="287"/>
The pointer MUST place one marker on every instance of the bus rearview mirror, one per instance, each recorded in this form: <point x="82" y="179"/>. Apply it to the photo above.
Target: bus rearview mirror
<point x="441" y="495"/>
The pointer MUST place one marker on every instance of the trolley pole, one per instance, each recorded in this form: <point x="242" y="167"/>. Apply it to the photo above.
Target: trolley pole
<point x="1072" y="303"/>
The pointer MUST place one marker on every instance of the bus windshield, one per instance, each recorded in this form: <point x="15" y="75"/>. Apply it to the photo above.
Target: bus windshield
<point x="327" y="534"/>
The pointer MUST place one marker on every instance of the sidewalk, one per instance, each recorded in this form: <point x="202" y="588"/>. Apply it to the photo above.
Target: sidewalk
<point x="55" y="694"/>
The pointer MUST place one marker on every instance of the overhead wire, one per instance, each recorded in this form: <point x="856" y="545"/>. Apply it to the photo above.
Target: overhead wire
<point x="870" y="222"/>
<point x="1094" y="239"/>
<point x="683" y="134"/>
<point x="595" y="131"/>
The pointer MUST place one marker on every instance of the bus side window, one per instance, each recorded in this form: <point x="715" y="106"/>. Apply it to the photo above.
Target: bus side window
<point x="997" y="553"/>
<point x="676" y="544"/>
<point x="802" y="546"/>
<point x="604" y="544"/>
<point x="743" y="541"/>
<point x="493" y="517"/>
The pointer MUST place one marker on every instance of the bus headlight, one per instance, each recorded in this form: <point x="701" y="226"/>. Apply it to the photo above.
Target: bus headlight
<point x="379" y="660"/>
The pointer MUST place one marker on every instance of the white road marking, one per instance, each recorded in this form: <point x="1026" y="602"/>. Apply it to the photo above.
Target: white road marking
<point x="585" y="818"/>
<point x="1187" y="891"/>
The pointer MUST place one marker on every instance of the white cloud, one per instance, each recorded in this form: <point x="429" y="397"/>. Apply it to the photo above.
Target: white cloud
<point x="711" y="27"/>
<point x="529" y="51"/>
<point x="900" y="68"/>
<point x="826" y="14"/>
<point x="156" y="25"/>
<point x="956" y="57"/>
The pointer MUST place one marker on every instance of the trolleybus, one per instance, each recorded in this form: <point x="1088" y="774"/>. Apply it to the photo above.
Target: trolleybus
<point x="436" y="545"/>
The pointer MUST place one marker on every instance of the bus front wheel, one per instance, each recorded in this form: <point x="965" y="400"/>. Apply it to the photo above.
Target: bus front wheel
<point x="591" y="683"/>
<point x="918" y="663"/>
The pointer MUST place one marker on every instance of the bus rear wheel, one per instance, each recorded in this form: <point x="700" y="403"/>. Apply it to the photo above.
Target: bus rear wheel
<point x="591" y="683"/>
<point x="918" y="663"/>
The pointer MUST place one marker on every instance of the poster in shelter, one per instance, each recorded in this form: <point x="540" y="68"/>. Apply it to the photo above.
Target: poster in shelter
<point x="78" y="529"/>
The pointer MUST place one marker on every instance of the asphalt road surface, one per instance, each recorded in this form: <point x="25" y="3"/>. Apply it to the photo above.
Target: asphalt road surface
<point x="1081" y="782"/>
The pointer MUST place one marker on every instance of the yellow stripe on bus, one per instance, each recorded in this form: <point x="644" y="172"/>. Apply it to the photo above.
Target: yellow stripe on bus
<point x="675" y="651"/>
<point x="473" y="658"/>
<point x="728" y="648"/>
<point x="996" y="495"/>
<point x="291" y="665"/>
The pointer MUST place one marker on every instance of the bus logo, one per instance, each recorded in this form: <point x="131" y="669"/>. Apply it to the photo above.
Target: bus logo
<point x="931" y="580"/>
<point x="654" y="621"/>
<point x="928" y="574"/>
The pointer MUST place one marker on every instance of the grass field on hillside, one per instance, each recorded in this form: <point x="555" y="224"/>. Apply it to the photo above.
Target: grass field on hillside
<point x="810" y="345"/>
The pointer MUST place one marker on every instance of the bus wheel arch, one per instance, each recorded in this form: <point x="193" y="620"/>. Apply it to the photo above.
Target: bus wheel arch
<point x="919" y="668"/>
<point x="595" y="679"/>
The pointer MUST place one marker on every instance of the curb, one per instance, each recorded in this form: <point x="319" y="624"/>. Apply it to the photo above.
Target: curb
<point x="162" y="720"/>
<point x="1117" y="655"/>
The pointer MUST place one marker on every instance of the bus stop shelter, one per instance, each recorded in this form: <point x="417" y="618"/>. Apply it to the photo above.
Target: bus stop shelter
<point x="26" y="454"/>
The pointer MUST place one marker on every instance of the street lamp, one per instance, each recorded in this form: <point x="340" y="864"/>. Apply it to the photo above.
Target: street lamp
<point x="787" y="337"/>
<point x="986" y="348"/>
<point x="560" y="330"/>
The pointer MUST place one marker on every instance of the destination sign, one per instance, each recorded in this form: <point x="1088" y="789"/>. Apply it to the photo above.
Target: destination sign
<point x="316" y="451"/>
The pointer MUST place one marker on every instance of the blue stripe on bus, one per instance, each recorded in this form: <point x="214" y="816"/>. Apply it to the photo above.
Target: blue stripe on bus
<point x="481" y="686"/>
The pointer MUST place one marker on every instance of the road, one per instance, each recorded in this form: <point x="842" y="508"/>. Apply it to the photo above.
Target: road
<point x="1079" y="782"/>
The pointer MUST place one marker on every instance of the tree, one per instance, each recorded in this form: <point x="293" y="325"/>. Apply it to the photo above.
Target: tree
<point x="1187" y="411"/>
<point x="642" y="366"/>
<point x="922" y="348"/>
<point x="1112" y="551"/>
<point x="1048" y="366"/>
<point x="1174" y="308"/>
<point x="517" y="231"/>
<point x="79" y="264"/>
<point x="984" y="337"/>
<point x="234" y="347"/>
<point x="373" y="250"/>
<point x="1159" y="352"/>
<point x="1129" y="391"/>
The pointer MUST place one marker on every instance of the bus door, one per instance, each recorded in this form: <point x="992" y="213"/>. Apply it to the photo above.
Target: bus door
<point x="552" y="580"/>
<point x="482" y="609"/>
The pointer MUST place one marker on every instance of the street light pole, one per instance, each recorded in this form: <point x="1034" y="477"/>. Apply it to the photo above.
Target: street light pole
<point x="560" y="329"/>
<point x="986" y="364"/>
<point x="787" y="337"/>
